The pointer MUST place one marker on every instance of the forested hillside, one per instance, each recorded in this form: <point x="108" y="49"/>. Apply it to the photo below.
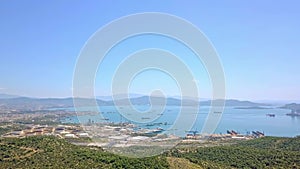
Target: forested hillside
<point x="51" y="152"/>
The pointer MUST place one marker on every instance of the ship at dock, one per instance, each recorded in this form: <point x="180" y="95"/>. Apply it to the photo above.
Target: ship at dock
<point x="294" y="113"/>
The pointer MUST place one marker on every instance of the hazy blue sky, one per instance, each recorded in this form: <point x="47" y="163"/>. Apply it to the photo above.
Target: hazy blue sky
<point x="257" y="41"/>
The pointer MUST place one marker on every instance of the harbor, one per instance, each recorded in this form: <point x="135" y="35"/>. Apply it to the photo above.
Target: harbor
<point x="124" y="135"/>
<point x="274" y="122"/>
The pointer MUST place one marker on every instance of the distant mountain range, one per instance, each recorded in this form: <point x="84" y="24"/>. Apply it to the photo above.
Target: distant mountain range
<point x="42" y="103"/>
<point x="27" y="103"/>
<point x="8" y="96"/>
<point x="292" y="106"/>
<point x="120" y="96"/>
<point x="234" y="103"/>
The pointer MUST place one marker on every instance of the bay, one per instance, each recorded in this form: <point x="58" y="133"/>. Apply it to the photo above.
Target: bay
<point x="241" y="120"/>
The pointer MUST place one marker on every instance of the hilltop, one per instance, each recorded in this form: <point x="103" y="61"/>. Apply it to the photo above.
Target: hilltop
<point x="51" y="152"/>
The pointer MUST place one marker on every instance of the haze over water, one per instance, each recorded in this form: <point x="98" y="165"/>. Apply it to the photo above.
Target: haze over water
<point x="240" y="120"/>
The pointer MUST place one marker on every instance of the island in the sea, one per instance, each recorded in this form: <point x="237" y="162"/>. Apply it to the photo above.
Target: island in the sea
<point x="294" y="107"/>
<point x="253" y="107"/>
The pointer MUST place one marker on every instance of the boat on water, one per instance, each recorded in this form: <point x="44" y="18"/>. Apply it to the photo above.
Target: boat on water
<point x="270" y="115"/>
<point x="294" y="113"/>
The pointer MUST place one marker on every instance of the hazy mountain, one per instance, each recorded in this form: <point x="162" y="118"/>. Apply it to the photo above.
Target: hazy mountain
<point x="119" y="96"/>
<point x="292" y="106"/>
<point x="42" y="103"/>
<point x="189" y="98"/>
<point x="234" y="103"/>
<point x="7" y="96"/>
<point x="145" y="100"/>
<point x="188" y="102"/>
<point x="26" y="103"/>
<point x="278" y="102"/>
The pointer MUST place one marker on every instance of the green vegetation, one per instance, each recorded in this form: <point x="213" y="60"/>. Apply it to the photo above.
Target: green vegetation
<point x="275" y="143"/>
<point x="181" y="163"/>
<point x="7" y="127"/>
<point x="51" y="152"/>
<point x="268" y="152"/>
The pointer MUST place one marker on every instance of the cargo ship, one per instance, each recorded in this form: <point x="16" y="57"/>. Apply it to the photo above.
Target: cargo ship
<point x="294" y="113"/>
<point x="270" y="115"/>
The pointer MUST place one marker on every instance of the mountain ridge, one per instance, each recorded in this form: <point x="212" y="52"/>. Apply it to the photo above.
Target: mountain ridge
<point x="23" y="102"/>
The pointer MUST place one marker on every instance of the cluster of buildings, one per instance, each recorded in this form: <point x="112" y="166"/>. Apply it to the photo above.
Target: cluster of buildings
<point x="294" y="112"/>
<point x="123" y="135"/>
<point x="62" y="131"/>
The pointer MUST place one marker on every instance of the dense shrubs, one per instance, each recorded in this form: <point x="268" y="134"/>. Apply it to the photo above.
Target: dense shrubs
<point x="268" y="152"/>
<point x="51" y="152"/>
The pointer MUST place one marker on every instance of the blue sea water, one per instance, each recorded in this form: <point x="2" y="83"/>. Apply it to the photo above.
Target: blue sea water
<point x="240" y="120"/>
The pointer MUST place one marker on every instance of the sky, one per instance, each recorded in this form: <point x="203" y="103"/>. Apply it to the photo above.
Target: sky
<point x="258" y="43"/>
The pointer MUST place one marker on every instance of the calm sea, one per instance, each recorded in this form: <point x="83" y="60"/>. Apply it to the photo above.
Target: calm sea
<point x="241" y="120"/>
